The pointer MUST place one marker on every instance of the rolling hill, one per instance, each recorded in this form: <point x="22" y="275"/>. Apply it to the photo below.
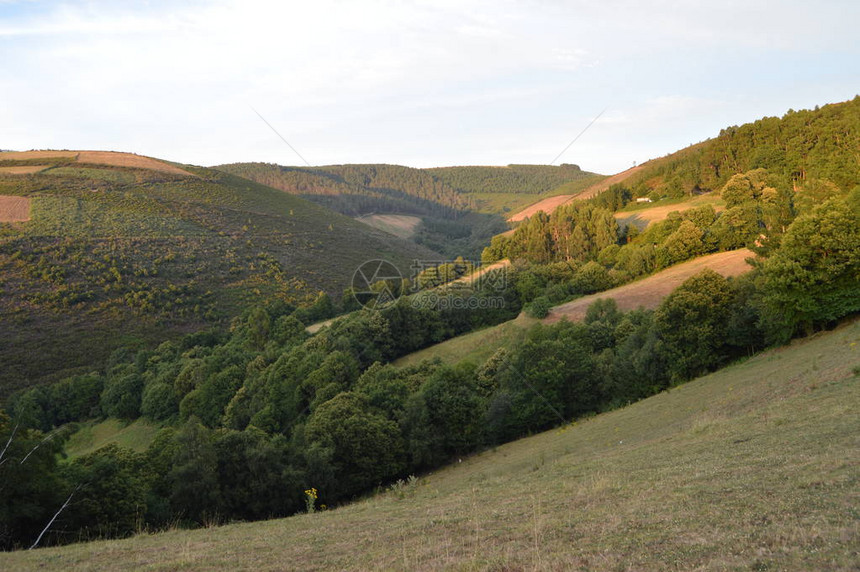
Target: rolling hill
<point x="750" y="468"/>
<point x="460" y="207"/>
<point x="100" y="250"/>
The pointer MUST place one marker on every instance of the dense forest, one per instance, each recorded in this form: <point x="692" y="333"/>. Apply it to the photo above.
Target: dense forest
<point x="528" y="179"/>
<point x="813" y="150"/>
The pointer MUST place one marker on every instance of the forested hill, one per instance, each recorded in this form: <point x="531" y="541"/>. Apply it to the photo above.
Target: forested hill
<point x="808" y="149"/>
<point x="527" y="179"/>
<point x="360" y="189"/>
<point x="99" y="249"/>
<point x="442" y="192"/>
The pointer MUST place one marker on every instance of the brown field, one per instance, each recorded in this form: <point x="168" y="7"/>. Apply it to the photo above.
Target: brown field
<point x="650" y="291"/>
<point x="14" y="209"/>
<point x="23" y="169"/>
<point x="550" y="204"/>
<point x="115" y="159"/>
<point x="402" y="226"/>
<point x="608" y="182"/>
<point x="26" y="155"/>
<point x="546" y="205"/>
<point x="111" y="158"/>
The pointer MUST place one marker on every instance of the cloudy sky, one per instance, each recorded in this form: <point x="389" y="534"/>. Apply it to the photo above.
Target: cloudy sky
<point x="413" y="83"/>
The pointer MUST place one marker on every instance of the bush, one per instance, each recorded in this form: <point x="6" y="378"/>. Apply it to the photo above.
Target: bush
<point x="539" y="307"/>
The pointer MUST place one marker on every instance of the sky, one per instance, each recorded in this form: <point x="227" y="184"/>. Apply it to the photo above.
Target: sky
<point x="421" y="84"/>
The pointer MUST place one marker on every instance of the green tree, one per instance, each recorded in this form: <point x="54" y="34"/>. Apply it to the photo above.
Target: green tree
<point x="692" y="323"/>
<point x="367" y="448"/>
<point x="813" y="277"/>
<point x="193" y="477"/>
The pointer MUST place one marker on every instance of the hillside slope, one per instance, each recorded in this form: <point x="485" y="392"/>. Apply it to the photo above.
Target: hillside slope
<point x="648" y="293"/>
<point x="750" y="468"/>
<point x="550" y="204"/>
<point x="122" y="250"/>
<point x="812" y="151"/>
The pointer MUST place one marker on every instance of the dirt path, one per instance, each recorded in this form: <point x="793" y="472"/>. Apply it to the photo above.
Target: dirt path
<point x="14" y="209"/>
<point x="650" y="291"/>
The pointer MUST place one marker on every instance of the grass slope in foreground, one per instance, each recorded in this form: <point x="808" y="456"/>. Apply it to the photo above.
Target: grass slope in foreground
<point x="750" y="468"/>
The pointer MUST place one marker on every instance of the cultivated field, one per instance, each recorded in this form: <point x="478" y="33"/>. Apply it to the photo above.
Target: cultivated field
<point x="642" y="217"/>
<point x="754" y="467"/>
<point x="29" y="155"/>
<point x="111" y="158"/>
<point x="129" y="160"/>
<point x="399" y="225"/>
<point x="23" y="169"/>
<point x="650" y="291"/>
<point x="546" y="205"/>
<point x="14" y="209"/>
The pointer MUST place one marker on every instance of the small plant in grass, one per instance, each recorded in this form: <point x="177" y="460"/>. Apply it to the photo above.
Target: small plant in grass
<point x="403" y="486"/>
<point x="311" y="496"/>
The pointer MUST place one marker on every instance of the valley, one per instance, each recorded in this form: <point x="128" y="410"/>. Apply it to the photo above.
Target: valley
<point x="655" y="367"/>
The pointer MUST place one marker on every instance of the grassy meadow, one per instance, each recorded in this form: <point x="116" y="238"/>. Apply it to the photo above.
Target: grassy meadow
<point x="754" y="467"/>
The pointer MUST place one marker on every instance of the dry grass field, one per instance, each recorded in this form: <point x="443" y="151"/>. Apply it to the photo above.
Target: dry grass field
<point x="650" y="291"/>
<point x="546" y="205"/>
<point x="14" y="209"/>
<point x="23" y="169"/>
<point x="115" y="159"/>
<point x="110" y="158"/>
<point x="754" y="467"/>
<point x="29" y="155"/>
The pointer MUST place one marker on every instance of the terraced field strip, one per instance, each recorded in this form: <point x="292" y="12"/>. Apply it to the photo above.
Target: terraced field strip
<point x="643" y="217"/>
<point x="27" y="155"/>
<point x="650" y="291"/>
<point x="115" y="159"/>
<point x="23" y="169"/>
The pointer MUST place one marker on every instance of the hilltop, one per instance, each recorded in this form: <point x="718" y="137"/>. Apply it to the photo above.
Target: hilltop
<point x="747" y="468"/>
<point x="100" y="250"/>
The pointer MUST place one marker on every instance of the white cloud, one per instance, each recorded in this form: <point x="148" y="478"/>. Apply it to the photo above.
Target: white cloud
<point x="417" y="83"/>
